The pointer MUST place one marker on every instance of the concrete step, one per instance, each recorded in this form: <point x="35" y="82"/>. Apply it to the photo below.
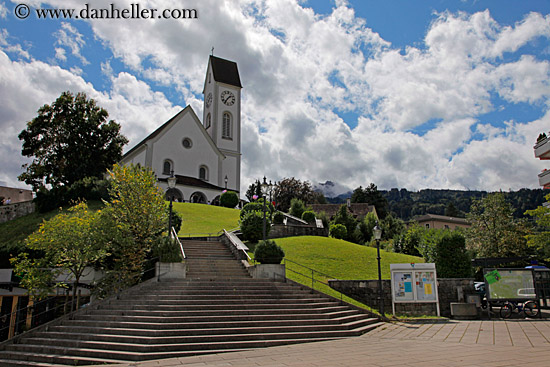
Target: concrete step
<point x="223" y="307"/>
<point x="205" y="324"/>
<point x="153" y="333"/>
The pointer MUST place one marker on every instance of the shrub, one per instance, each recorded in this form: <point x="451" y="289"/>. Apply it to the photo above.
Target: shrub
<point x="167" y="250"/>
<point x="309" y="216"/>
<point x="257" y="206"/>
<point x="451" y="259"/>
<point x="297" y="207"/>
<point x="278" y="218"/>
<point x="252" y="226"/>
<point x="229" y="199"/>
<point x="324" y="218"/>
<point x="268" y="252"/>
<point x="338" y="231"/>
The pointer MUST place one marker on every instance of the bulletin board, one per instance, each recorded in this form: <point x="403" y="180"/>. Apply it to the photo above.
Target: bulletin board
<point x="414" y="283"/>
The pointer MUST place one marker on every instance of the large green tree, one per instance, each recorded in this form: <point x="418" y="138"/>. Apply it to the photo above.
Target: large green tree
<point x="494" y="231"/>
<point x="372" y="196"/>
<point x="290" y="188"/>
<point x="69" y="140"/>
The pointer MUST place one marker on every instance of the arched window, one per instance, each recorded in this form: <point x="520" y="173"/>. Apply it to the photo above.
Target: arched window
<point x="226" y="125"/>
<point x="208" y="121"/>
<point x="167" y="167"/>
<point x="203" y="173"/>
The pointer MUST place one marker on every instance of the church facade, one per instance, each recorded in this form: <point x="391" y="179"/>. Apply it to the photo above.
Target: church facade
<point x="205" y="157"/>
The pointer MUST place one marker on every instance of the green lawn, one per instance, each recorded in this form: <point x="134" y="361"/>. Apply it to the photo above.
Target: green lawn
<point x="335" y="259"/>
<point x="202" y="219"/>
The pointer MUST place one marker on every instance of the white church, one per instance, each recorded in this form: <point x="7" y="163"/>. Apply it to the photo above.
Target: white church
<point x="204" y="157"/>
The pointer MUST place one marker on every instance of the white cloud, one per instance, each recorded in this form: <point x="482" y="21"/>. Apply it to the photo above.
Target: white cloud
<point x="71" y="38"/>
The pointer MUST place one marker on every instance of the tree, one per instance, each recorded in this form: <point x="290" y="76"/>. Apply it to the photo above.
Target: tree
<point x="297" y="207"/>
<point x="69" y="141"/>
<point x="344" y="217"/>
<point x="372" y="196"/>
<point x="494" y="231"/>
<point x="290" y="188"/>
<point x="134" y="219"/>
<point x="452" y="259"/>
<point x="69" y="242"/>
<point x="366" y="228"/>
<point x="251" y="225"/>
<point x="540" y="240"/>
<point x="338" y="231"/>
<point x="254" y="191"/>
<point x="391" y="227"/>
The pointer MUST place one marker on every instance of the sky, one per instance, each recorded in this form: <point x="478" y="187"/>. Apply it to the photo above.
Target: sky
<point x="403" y="94"/>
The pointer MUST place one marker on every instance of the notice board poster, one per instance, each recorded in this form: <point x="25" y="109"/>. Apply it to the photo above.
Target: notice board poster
<point x="425" y="285"/>
<point x="403" y="286"/>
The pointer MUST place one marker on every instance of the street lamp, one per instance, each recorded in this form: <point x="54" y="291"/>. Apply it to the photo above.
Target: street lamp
<point x="171" y="185"/>
<point x="377" y="235"/>
<point x="265" y="189"/>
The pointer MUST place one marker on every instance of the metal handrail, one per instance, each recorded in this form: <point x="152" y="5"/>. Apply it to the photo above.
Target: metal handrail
<point x="313" y="280"/>
<point x="27" y="309"/>
<point x="175" y="235"/>
<point x="239" y="246"/>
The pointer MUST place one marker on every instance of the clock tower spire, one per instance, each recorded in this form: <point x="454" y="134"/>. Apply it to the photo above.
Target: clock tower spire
<point x="222" y="114"/>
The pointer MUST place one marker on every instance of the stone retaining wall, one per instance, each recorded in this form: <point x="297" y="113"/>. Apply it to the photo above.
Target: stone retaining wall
<point x="13" y="211"/>
<point x="366" y="291"/>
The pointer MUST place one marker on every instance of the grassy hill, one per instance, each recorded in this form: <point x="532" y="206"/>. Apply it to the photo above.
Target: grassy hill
<point x="335" y="259"/>
<point x="341" y="259"/>
<point x="201" y="219"/>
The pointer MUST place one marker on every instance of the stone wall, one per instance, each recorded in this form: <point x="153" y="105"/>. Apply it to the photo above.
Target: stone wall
<point x="12" y="211"/>
<point x="279" y="231"/>
<point x="366" y="291"/>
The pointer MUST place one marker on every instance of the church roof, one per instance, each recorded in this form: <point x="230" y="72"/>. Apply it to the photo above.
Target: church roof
<point x="163" y="126"/>
<point x="225" y="71"/>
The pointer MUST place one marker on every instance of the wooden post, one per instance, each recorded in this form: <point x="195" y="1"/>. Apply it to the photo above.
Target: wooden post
<point x="29" y="313"/>
<point x="13" y="317"/>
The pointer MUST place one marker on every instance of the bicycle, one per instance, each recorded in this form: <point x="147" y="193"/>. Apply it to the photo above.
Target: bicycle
<point x="529" y="309"/>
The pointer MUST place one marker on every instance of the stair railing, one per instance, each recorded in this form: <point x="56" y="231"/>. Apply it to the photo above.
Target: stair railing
<point x="237" y="243"/>
<point x="174" y="235"/>
<point x="25" y="318"/>
<point x="309" y="274"/>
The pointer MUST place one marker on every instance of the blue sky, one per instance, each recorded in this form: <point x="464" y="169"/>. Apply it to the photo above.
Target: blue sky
<point x="407" y="94"/>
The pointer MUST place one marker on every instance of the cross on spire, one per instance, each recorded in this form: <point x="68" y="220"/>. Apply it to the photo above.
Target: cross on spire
<point x="212" y="50"/>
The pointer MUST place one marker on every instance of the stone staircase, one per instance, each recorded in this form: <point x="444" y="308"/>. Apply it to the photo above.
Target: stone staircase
<point x="217" y="308"/>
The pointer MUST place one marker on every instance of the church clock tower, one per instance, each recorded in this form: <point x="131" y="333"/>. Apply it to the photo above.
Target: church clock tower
<point x="222" y="117"/>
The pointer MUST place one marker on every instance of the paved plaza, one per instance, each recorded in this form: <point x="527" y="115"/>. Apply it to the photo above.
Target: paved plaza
<point x="422" y="343"/>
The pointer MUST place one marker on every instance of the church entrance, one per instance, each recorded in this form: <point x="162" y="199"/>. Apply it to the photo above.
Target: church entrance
<point x="198" y="197"/>
<point x="175" y="194"/>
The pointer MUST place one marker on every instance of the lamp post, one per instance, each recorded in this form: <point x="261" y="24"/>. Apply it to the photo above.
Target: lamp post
<point x="265" y="189"/>
<point x="225" y="180"/>
<point x="377" y="235"/>
<point x="171" y="184"/>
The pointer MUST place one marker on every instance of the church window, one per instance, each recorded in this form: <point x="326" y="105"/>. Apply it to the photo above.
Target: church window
<point x="167" y="167"/>
<point x="226" y="125"/>
<point x="203" y="173"/>
<point x="208" y="121"/>
<point x="187" y="143"/>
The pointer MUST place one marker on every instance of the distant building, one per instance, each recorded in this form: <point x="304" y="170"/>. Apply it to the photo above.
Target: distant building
<point x="542" y="152"/>
<point x="440" y="222"/>
<point x="15" y="195"/>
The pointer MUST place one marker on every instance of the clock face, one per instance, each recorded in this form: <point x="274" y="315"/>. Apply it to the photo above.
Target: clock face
<point x="208" y="100"/>
<point x="228" y="98"/>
